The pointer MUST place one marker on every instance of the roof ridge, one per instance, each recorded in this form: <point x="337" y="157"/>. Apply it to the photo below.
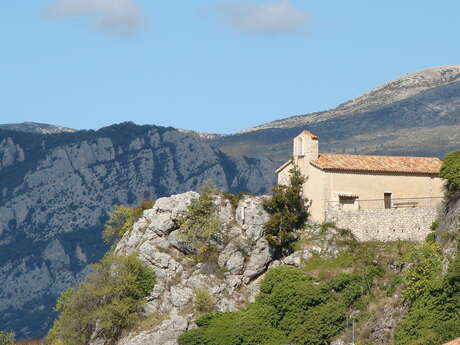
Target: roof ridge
<point x="359" y="155"/>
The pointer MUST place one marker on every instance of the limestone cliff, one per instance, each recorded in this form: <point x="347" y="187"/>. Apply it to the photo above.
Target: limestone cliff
<point x="55" y="192"/>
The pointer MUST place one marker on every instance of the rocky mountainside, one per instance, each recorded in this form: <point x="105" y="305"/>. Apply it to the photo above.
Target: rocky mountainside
<point x="417" y="114"/>
<point x="37" y="128"/>
<point x="232" y="281"/>
<point x="56" y="190"/>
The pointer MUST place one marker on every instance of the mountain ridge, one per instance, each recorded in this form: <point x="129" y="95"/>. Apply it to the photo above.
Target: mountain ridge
<point x="37" y="128"/>
<point x="412" y="83"/>
<point x="56" y="190"/>
<point x="426" y="123"/>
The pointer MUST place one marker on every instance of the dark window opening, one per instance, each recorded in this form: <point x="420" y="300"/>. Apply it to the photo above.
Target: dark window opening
<point x="387" y="200"/>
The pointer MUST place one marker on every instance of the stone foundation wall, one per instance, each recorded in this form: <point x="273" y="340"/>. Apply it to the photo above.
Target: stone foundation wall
<point x="411" y="224"/>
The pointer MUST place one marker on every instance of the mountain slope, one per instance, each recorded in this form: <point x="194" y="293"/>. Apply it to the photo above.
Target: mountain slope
<point x="418" y="114"/>
<point x="57" y="189"/>
<point x="394" y="91"/>
<point x="38" y="128"/>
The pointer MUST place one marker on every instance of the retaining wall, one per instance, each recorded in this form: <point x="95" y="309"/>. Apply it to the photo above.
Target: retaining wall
<point x="410" y="224"/>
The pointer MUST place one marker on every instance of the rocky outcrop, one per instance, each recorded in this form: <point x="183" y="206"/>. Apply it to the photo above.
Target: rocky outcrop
<point x="381" y="326"/>
<point x="56" y="190"/>
<point x="10" y="153"/>
<point x="232" y="279"/>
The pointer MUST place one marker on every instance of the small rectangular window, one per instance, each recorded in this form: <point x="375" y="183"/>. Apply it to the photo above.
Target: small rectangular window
<point x="387" y="200"/>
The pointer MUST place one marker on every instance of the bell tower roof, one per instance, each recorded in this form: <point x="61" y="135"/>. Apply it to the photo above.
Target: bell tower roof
<point x="309" y="134"/>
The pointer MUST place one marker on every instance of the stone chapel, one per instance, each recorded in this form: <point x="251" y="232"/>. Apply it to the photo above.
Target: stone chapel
<point x="395" y="196"/>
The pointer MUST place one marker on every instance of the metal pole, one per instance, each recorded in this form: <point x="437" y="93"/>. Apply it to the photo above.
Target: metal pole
<point x="353" y="331"/>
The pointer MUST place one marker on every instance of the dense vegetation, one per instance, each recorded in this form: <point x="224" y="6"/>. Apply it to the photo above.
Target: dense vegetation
<point x="434" y="299"/>
<point x="287" y="212"/>
<point x="108" y="302"/>
<point x="310" y="305"/>
<point x="451" y="171"/>
<point x="292" y="307"/>
<point x="201" y="224"/>
<point x="307" y="305"/>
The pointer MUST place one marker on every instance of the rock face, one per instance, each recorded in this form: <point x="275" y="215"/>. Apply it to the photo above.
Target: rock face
<point x="56" y="190"/>
<point x="233" y="280"/>
<point x="382" y="325"/>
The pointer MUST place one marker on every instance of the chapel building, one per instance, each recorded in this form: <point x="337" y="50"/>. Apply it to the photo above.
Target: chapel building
<point x="355" y="189"/>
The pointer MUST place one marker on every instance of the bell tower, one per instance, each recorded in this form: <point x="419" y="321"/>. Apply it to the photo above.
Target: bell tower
<point x="306" y="145"/>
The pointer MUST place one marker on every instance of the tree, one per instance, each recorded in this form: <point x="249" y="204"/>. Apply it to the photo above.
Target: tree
<point x="288" y="212"/>
<point x="109" y="301"/>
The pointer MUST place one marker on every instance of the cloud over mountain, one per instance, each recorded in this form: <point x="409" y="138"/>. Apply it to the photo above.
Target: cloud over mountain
<point x="114" y="16"/>
<point x="276" y="17"/>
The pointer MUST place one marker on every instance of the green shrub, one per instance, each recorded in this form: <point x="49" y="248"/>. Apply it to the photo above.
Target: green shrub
<point x="423" y="274"/>
<point x="122" y="219"/>
<point x="450" y="171"/>
<point x="288" y="212"/>
<point x="109" y="301"/>
<point x="204" y="302"/>
<point x="7" y="338"/>
<point x="201" y="224"/>
<point x="434" y="312"/>
<point x="292" y="308"/>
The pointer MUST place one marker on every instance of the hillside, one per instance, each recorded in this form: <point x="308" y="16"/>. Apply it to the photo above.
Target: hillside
<point x="417" y="114"/>
<point x="392" y="292"/>
<point x="36" y="128"/>
<point x="56" y="190"/>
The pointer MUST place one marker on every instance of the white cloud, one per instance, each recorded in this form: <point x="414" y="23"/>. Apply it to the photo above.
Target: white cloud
<point x="114" y="16"/>
<point x="276" y="17"/>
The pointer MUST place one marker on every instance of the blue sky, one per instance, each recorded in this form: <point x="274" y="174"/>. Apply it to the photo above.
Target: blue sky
<point x="212" y="66"/>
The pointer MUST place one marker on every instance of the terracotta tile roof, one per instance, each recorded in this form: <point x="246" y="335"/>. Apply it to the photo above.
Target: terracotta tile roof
<point x="453" y="342"/>
<point x="310" y="134"/>
<point x="421" y="165"/>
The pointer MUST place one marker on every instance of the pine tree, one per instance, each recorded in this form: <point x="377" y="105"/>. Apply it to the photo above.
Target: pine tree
<point x="288" y="212"/>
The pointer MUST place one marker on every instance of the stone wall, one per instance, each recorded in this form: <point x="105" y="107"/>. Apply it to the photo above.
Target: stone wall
<point x="411" y="224"/>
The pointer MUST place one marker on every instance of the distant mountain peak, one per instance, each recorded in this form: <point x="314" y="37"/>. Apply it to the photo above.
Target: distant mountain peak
<point x="396" y="90"/>
<point x="401" y="88"/>
<point x="38" y="128"/>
